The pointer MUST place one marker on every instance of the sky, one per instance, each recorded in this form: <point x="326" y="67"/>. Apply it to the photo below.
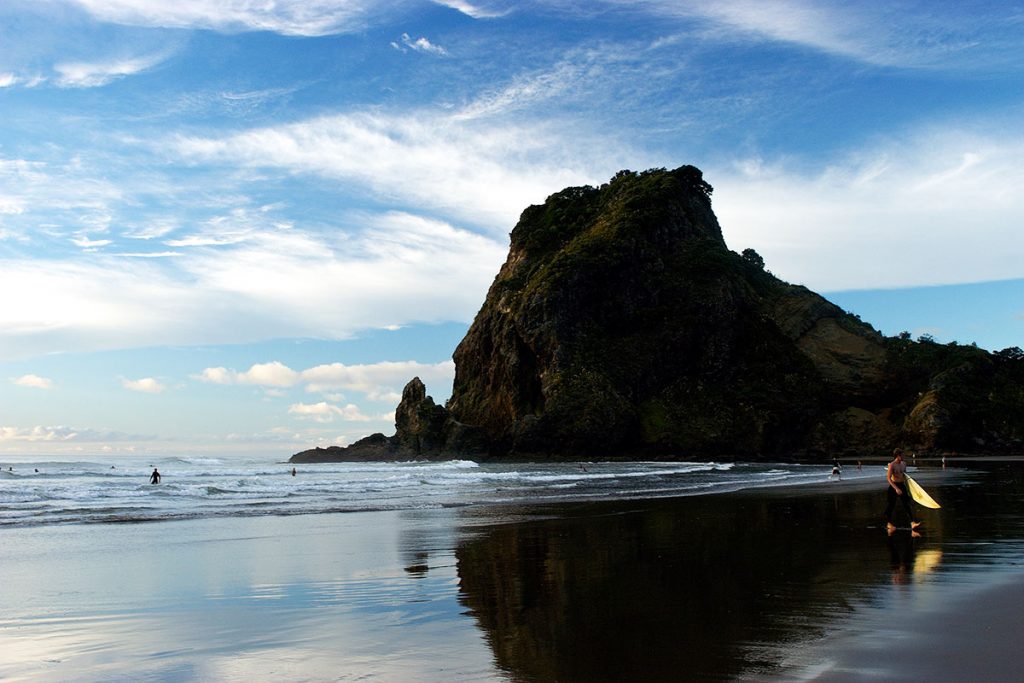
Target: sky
<point x="241" y="227"/>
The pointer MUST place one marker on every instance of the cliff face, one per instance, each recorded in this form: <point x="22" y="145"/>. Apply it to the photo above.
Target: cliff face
<point x="621" y="322"/>
<point x="622" y="325"/>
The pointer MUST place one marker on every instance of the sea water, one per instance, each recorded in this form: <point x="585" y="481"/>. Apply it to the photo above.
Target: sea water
<point x="42" y="491"/>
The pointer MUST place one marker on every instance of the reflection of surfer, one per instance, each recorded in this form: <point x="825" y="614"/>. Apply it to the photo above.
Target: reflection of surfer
<point x="155" y="477"/>
<point x="896" y="475"/>
<point x="901" y="555"/>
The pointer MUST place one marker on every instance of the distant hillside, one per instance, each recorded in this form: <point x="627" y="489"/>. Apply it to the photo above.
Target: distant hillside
<point x="622" y="326"/>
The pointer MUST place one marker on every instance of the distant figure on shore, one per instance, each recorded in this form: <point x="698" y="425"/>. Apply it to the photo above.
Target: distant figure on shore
<point x="293" y="471"/>
<point x="859" y="466"/>
<point x="155" y="477"/>
<point x="896" y="475"/>
<point x="837" y="470"/>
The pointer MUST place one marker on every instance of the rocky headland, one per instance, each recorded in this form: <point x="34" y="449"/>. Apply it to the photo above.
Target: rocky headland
<point x="621" y="325"/>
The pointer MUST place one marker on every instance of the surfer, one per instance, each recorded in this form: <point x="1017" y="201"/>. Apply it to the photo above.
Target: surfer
<point x="896" y="475"/>
<point x="837" y="470"/>
<point x="155" y="477"/>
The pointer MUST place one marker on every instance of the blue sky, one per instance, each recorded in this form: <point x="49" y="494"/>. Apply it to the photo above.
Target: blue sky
<point x="229" y="226"/>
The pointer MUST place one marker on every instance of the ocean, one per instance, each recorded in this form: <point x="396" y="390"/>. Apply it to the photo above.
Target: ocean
<point x="44" y="491"/>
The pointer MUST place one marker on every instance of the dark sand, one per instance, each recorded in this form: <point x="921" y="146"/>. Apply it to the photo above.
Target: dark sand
<point x="773" y="584"/>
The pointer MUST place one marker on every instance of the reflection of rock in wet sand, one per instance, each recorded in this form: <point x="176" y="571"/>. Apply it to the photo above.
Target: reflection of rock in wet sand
<point x="670" y="592"/>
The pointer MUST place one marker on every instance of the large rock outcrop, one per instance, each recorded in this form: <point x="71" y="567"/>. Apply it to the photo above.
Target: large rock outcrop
<point x="622" y="325"/>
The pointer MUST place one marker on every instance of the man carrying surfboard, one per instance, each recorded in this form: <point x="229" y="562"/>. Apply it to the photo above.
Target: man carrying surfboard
<point x="896" y="475"/>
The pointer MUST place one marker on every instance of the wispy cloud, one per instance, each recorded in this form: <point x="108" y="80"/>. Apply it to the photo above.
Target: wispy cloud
<point x="524" y="90"/>
<point x="33" y="381"/>
<point x="289" y="17"/>
<point x="146" y="385"/>
<point x="478" y="10"/>
<point x="420" y="44"/>
<point x="86" y="243"/>
<point x="484" y="174"/>
<point x="96" y="74"/>
<point x="34" y="188"/>
<point x="151" y="231"/>
<point x="884" y="34"/>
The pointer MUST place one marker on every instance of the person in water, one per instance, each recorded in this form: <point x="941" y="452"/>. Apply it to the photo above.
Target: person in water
<point x="896" y="475"/>
<point x="155" y="477"/>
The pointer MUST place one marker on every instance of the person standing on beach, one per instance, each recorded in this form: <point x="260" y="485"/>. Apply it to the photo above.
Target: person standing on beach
<point x="837" y="469"/>
<point x="155" y="477"/>
<point x="896" y="475"/>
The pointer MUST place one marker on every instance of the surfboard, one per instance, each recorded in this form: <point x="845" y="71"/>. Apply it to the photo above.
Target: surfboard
<point x="920" y="496"/>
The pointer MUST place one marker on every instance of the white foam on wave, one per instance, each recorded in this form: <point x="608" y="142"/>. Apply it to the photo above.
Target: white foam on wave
<point x="89" y="491"/>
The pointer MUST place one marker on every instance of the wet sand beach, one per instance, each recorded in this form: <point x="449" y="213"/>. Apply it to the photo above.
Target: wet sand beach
<point x="793" y="583"/>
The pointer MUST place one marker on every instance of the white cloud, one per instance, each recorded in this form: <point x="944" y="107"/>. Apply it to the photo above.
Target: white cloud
<point x="378" y="381"/>
<point x="8" y="79"/>
<point x="146" y="385"/>
<point x="63" y="433"/>
<point x="149" y="254"/>
<point x="475" y="10"/>
<point x="33" y="381"/>
<point x="217" y="376"/>
<point x="420" y="44"/>
<point x="11" y="206"/>
<point x="65" y="305"/>
<point x="38" y="433"/>
<point x="95" y="74"/>
<point x="86" y="243"/>
<point x="484" y="174"/>
<point x="326" y="412"/>
<point x="941" y="206"/>
<point x="278" y="283"/>
<point x="290" y="17"/>
<point x="272" y="374"/>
